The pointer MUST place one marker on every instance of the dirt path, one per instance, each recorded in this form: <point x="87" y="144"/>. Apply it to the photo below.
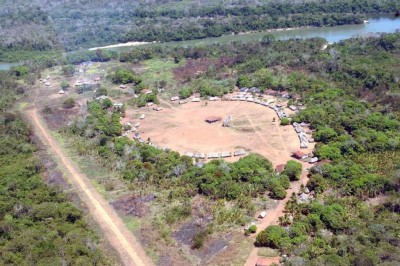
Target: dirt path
<point x="167" y="103"/>
<point x="273" y="215"/>
<point x="113" y="228"/>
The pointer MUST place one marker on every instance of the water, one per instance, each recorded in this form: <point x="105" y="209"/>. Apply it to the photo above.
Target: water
<point x="387" y="24"/>
<point x="377" y="24"/>
<point x="7" y="66"/>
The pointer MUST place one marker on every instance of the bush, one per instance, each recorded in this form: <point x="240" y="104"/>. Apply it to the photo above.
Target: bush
<point x="68" y="70"/>
<point x="106" y="103"/>
<point x="273" y="236"/>
<point x="253" y="229"/>
<point x="125" y="76"/>
<point x="293" y="170"/>
<point x="69" y="103"/>
<point x="64" y="85"/>
<point x="285" y="181"/>
<point x="185" y="93"/>
<point x="277" y="191"/>
<point x="101" y="91"/>
<point x="20" y="71"/>
<point x="198" y="239"/>
<point x="285" y="121"/>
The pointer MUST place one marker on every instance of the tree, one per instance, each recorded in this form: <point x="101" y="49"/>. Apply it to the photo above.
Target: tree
<point x="69" y="103"/>
<point x="185" y="93"/>
<point x="68" y="70"/>
<point x="293" y="170"/>
<point x="106" y="103"/>
<point x="252" y="229"/>
<point x="330" y="152"/>
<point x="244" y="81"/>
<point x="20" y="71"/>
<point x="285" y="121"/>
<point x="64" y="85"/>
<point x="125" y="76"/>
<point x="273" y="236"/>
<point x="325" y="134"/>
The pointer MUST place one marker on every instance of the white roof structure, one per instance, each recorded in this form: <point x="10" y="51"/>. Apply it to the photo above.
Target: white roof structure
<point x="174" y="98"/>
<point x="239" y="152"/>
<point x="200" y="155"/>
<point x="213" y="155"/>
<point x="226" y="154"/>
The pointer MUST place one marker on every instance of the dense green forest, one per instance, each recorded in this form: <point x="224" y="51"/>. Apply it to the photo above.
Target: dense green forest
<point x="70" y="25"/>
<point x="351" y="93"/>
<point x="38" y="224"/>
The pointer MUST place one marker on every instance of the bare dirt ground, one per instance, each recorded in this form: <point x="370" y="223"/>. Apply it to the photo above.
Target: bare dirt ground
<point x="114" y="230"/>
<point x="182" y="128"/>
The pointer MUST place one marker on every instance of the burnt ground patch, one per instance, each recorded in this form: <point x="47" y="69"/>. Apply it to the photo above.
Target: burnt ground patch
<point x="133" y="205"/>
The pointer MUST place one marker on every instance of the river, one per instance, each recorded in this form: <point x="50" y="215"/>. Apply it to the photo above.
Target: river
<point x="7" y="66"/>
<point x="376" y="24"/>
<point x="381" y="23"/>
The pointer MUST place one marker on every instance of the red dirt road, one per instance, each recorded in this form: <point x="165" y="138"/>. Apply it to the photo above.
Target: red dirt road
<point x="274" y="214"/>
<point x="114" y="230"/>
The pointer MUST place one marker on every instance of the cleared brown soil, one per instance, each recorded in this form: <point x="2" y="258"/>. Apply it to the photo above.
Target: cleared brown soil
<point x="182" y="128"/>
<point x="114" y="230"/>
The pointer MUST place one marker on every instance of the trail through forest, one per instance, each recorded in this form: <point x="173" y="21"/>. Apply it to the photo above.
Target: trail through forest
<point x="112" y="227"/>
<point x="273" y="215"/>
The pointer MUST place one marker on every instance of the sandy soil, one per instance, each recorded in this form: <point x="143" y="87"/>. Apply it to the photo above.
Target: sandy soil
<point x="182" y="128"/>
<point x="119" y="45"/>
<point x="114" y="230"/>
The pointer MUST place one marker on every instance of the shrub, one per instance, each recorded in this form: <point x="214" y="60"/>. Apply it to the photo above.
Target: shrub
<point x="253" y="229"/>
<point x="69" y="103"/>
<point x="68" y="70"/>
<point x="106" y="103"/>
<point x="273" y="236"/>
<point x="285" y="181"/>
<point x="285" y="121"/>
<point x="277" y="191"/>
<point x="185" y="93"/>
<point x="20" y="71"/>
<point x="64" y="85"/>
<point x="125" y="76"/>
<point x="293" y="170"/>
<point x="198" y="239"/>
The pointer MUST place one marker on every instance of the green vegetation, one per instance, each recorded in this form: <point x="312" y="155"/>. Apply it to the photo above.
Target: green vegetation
<point x="353" y="134"/>
<point x="124" y="76"/>
<point x="69" y="103"/>
<point x="293" y="170"/>
<point x="285" y="121"/>
<point x="39" y="226"/>
<point x="64" y="85"/>
<point x="39" y="26"/>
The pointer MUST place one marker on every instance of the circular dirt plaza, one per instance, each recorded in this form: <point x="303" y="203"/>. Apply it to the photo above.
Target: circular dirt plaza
<point x="184" y="128"/>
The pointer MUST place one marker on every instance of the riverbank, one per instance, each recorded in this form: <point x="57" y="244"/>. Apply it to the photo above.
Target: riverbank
<point x="120" y="45"/>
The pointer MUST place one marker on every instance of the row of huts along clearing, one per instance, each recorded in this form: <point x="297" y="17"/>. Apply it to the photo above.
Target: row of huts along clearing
<point x="215" y="155"/>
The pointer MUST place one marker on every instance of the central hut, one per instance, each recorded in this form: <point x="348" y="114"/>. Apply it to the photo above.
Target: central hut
<point x="212" y="119"/>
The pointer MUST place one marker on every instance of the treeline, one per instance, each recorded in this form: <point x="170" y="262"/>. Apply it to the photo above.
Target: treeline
<point x="277" y="8"/>
<point x="203" y="28"/>
<point x="63" y="25"/>
<point x="38" y="224"/>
